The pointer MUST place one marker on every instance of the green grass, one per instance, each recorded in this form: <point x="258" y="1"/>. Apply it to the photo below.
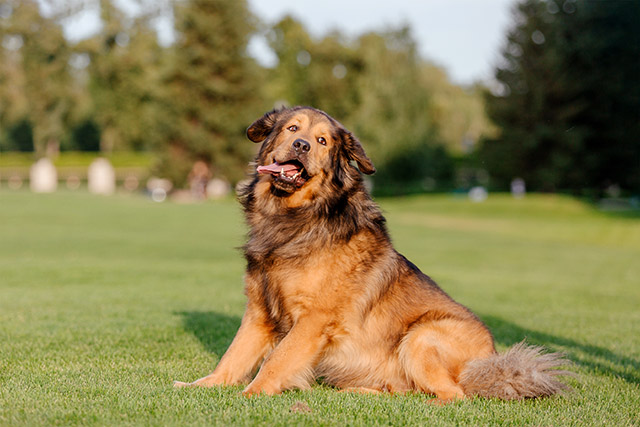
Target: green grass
<point x="105" y="301"/>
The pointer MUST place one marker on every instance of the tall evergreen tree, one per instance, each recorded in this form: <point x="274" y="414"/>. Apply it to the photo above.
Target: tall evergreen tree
<point x="526" y="110"/>
<point x="601" y="49"/>
<point x="568" y="102"/>
<point x="211" y="90"/>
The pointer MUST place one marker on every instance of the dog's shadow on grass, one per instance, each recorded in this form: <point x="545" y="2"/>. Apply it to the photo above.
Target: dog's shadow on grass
<point x="594" y="358"/>
<point x="214" y="330"/>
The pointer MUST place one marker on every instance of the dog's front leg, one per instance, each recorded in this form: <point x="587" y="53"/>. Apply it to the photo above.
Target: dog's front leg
<point x="252" y="342"/>
<point x="291" y="362"/>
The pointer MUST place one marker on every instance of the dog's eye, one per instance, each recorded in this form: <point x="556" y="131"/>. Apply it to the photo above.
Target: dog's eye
<point x="322" y="141"/>
<point x="292" y="128"/>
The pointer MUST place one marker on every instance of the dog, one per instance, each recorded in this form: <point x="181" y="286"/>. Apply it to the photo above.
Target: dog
<point x="329" y="297"/>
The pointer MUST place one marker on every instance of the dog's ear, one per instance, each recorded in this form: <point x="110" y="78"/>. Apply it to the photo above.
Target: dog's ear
<point x="356" y="152"/>
<point x="262" y="127"/>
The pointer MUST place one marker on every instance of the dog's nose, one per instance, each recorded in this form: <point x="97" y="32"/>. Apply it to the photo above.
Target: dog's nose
<point x="301" y="146"/>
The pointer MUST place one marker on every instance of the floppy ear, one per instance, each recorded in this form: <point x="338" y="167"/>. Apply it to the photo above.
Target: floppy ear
<point x="356" y="152"/>
<point x="262" y="127"/>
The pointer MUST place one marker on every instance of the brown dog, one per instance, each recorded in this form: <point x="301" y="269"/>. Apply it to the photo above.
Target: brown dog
<point x="329" y="297"/>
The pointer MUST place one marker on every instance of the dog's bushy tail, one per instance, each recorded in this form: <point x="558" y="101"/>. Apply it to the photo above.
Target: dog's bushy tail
<point x="523" y="371"/>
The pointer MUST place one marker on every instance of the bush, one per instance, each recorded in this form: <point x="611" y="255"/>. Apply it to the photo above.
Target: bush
<point x="415" y="169"/>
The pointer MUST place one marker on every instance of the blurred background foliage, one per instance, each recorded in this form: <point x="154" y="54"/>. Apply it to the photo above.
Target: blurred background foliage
<point x="568" y="106"/>
<point x="563" y="111"/>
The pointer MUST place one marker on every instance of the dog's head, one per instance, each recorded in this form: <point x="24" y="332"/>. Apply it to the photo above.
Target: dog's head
<point x="304" y="148"/>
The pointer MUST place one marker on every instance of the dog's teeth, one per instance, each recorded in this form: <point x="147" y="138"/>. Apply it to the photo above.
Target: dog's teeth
<point x="282" y="172"/>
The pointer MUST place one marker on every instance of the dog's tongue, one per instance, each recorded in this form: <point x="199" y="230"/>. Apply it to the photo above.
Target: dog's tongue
<point x="276" y="168"/>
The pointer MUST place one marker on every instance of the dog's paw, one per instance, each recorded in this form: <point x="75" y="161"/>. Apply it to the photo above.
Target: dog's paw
<point x="442" y="402"/>
<point x="180" y="384"/>
<point x="255" y="390"/>
<point x="252" y="391"/>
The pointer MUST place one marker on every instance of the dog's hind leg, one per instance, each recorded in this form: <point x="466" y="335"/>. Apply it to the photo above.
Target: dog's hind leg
<point x="433" y="354"/>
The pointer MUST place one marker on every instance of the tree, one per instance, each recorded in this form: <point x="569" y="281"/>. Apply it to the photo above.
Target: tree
<point x="567" y="108"/>
<point x="13" y="103"/>
<point x="85" y="136"/>
<point x="311" y="72"/>
<point x="37" y="65"/>
<point x="601" y="48"/>
<point x="375" y="85"/>
<point x="19" y="137"/>
<point x="211" y="90"/>
<point x="394" y="106"/>
<point x="457" y="112"/>
<point x="531" y="144"/>
<point x="125" y="60"/>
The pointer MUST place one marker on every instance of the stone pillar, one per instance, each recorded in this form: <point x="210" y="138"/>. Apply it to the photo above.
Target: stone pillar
<point x="43" y="176"/>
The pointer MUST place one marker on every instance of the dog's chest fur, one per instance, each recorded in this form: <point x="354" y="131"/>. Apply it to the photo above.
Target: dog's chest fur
<point x="318" y="277"/>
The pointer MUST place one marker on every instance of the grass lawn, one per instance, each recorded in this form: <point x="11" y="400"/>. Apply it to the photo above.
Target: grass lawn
<point x="105" y="301"/>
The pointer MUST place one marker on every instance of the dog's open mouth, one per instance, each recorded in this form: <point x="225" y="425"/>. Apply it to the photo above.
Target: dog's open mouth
<point x="289" y="175"/>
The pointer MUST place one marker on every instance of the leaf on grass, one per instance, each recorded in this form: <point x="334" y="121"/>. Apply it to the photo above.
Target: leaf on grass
<point x="300" y="407"/>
